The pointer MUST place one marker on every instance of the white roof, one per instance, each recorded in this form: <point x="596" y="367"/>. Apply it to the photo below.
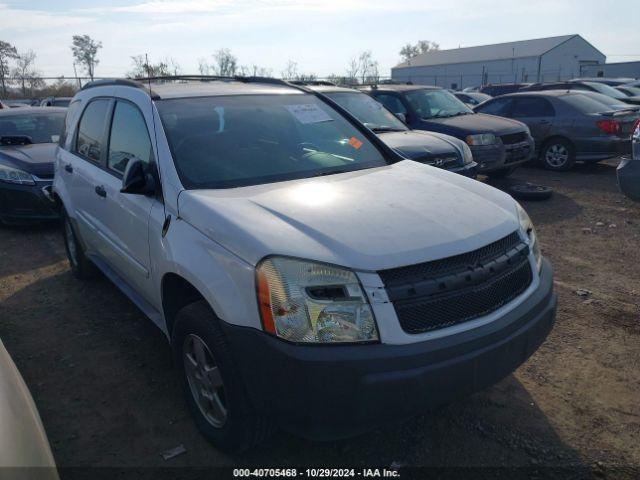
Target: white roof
<point x="497" y="51"/>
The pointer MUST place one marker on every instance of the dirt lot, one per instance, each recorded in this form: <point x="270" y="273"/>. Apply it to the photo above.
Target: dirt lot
<point x="102" y="375"/>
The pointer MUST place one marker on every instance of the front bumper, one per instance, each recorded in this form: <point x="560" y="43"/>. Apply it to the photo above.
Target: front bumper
<point x="500" y="156"/>
<point x="26" y="204"/>
<point x="629" y="178"/>
<point x="326" y="392"/>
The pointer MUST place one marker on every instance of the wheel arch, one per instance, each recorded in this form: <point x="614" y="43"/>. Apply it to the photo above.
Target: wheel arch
<point x="551" y="138"/>
<point x="178" y="292"/>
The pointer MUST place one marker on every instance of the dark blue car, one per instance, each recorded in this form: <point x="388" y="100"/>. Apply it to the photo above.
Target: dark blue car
<point x="498" y="144"/>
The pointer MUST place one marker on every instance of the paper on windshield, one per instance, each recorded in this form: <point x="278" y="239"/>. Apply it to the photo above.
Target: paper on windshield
<point x="308" y="113"/>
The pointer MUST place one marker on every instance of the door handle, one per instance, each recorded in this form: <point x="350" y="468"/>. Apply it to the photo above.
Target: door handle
<point x="68" y="168"/>
<point x="100" y="191"/>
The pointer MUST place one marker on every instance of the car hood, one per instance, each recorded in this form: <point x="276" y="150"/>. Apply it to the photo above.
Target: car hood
<point x="36" y="159"/>
<point x="416" y="144"/>
<point x="371" y="219"/>
<point x="634" y="100"/>
<point x="464" y="125"/>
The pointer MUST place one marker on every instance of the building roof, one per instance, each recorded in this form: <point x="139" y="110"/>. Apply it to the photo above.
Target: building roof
<point x="497" y="51"/>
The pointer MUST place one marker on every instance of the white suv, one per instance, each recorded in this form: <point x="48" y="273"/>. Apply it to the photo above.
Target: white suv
<point x="306" y="275"/>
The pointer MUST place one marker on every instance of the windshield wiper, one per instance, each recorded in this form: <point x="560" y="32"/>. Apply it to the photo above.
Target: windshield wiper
<point x="384" y="128"/>
<point x="330" y="172"/>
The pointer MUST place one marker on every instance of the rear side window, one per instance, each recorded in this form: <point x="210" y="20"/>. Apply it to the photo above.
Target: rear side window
<point x="129" y="137"/>
<point x="72" y="115"/>
<point x="499" y="107"/>
<point x="91" y="130"/>
<point x="532" y="107"/>
<point x="585" y="103"/>
<point x="392" y="103"/>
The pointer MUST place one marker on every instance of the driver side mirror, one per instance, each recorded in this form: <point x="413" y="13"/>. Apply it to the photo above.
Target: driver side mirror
<point x="137" y="180"/>
<point x="401" y="116"/>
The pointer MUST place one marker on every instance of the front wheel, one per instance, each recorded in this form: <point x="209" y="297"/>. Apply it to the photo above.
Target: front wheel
<point x="557" y="155"/>
<point x="215" y="391"/>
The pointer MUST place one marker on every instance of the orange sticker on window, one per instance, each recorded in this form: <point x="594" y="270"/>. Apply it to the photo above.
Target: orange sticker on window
<point x="355" y="143"/>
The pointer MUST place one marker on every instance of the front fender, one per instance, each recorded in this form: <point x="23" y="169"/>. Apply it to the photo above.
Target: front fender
<point x="225" y="280"/>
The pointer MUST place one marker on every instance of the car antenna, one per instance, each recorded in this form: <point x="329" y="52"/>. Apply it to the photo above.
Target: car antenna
<point x="167" y="218"/>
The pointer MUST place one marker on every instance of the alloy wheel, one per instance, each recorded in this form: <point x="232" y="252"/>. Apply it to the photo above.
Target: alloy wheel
<point x="556" y="155"/>
<point x="205" y="380"/>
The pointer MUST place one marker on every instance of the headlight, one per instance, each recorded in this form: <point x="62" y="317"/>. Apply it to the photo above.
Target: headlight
<point x="481" y="139"/>
<point x="13" y="175"/>
<point x="467" y="156"/>
<point x="304" y="301"/>
<point x="530" y="232"/>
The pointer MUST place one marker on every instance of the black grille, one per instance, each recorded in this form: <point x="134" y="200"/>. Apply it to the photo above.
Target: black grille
<point x="514" y="138"/>
<point x="423" y="271"/>
<point x="457" y="289"/>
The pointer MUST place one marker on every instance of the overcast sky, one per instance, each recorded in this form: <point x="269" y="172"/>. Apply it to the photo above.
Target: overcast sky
<point x="320" y="35"/>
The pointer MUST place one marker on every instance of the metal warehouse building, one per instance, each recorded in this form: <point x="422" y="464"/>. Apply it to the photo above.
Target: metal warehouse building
<point x="538" y="60"/>
<point x="619" y="69"/>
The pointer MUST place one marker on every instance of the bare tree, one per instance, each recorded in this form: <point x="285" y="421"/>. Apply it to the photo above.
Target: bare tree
<point x="225" y="63"/>
<point x="165" y="67"/>
<point x="7" y="52"/>
<point x="85" y="51"/>
<point x="290" y="71"/>
<point x="203" y="66"/>
<point x="362" y="69"/>
<point x="423" y="46"/>
<point x="24" y="72"/>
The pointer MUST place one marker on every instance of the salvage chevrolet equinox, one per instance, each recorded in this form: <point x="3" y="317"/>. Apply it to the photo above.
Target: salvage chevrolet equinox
<point x="306" y="275"/>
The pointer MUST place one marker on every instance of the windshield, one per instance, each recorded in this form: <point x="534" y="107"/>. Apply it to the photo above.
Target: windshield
<point x="606" y="89"/>
<point x="632" y="91"/>
<point x="368" y="111"/>
<point x="40" y="128"/>
<point x="232" y="141"/>
<point x="436" y="104"/>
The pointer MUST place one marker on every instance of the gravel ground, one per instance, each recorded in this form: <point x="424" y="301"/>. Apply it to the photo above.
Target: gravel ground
<point x="103" y="380"/>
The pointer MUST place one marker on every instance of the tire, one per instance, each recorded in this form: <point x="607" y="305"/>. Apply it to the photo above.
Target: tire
<point x="558" y="155"/>
<point x="81" y="267"/>
<point x="236" y="426"/>
<point x="529" y="191"/>
<point x="501" y="173"/>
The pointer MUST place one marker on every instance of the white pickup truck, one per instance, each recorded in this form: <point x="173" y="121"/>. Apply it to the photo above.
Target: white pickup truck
<point x="306" y="275"/>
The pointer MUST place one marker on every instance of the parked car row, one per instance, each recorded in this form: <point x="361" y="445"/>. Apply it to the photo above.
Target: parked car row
<point x="36" y="102"/>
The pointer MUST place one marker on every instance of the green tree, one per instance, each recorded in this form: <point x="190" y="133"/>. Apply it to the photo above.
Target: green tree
<point x="7" y="52"/>
<point x="85" y="52"/>
<point x="423" y="46"/>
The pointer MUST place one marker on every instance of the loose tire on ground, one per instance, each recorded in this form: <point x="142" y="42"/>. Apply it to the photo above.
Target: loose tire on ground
<point x="242" y="428"/>
<point x="529" y="191"/>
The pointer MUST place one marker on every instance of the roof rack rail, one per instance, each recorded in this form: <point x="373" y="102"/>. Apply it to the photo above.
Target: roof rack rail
<point x="315" y="83"/>
<point x="123" y="82"/>
<point x="221" y="78"/>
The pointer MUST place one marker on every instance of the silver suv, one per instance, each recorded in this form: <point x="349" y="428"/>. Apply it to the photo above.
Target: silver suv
<point x="306" y="275"/>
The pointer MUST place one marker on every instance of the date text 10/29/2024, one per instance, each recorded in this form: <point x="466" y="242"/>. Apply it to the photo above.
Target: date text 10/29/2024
<point x="316" y="472"/>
